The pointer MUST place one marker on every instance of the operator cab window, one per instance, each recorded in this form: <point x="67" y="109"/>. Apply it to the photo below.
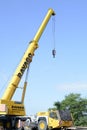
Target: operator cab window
<point x="53" y="115"/>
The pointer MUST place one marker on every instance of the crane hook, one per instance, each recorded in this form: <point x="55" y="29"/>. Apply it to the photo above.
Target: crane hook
<point x="53" y="53"/>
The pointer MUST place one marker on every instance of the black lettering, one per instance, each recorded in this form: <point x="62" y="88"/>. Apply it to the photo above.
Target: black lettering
<point x="19" y="75"/>
<point x="22" y="69"/>
<point x="29" y="55"/>
<point x="28" y="60"/>
<point x="25" y="63"/>
<point x="19" y="107"/>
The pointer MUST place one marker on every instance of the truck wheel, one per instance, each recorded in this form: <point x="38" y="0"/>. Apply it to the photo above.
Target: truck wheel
<point x="42" y="125"/>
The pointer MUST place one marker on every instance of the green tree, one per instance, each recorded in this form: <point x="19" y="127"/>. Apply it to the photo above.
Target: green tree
<point x="77" y="107"/>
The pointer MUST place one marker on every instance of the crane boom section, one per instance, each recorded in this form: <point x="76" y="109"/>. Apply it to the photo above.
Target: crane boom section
<point x="26" y="60"/>
<point x="43" y="25"/>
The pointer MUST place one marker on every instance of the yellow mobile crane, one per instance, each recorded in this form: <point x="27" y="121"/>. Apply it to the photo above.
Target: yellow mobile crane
<point x="11" y="111"/>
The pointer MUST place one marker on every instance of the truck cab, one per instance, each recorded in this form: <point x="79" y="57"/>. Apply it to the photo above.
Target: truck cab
<point x="54" y="119"/>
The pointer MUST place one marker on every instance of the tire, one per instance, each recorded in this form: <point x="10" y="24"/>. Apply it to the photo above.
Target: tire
<point x="42" y="125"/>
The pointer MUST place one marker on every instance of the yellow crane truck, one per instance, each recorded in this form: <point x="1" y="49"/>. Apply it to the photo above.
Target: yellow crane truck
<point x="54" y="119"/>
<point x="12" y="112"/>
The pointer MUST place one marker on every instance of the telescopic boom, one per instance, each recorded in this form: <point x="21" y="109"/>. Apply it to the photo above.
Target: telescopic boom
<point x="26" y="60"/>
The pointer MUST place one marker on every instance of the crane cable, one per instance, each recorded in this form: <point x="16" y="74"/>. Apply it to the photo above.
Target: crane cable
<point x="27" y="73"/>
<point x="53" y="34"/>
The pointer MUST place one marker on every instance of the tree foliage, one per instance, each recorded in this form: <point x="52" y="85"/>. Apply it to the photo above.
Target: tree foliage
<point x="77" y="107"/>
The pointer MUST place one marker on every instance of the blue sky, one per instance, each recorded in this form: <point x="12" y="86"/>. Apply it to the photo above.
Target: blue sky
<point x="50" y="79"/>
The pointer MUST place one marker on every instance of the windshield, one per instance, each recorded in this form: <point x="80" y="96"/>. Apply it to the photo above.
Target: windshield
<point x="53" y="115"/>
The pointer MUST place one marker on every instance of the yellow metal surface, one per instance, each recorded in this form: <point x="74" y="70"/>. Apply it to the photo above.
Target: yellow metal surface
<point x="53" y="123"/>
<point x="15" y="108"/>
<point x="54" y="120"/>
<point x="26" y="60"/>
<point x="42" y="125"/>
<point x="66" y="123"/>
<point x="43" y="25"/>
<point x="42" y="113"/>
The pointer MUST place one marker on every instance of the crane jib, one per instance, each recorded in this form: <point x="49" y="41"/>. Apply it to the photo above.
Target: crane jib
<point x="25" y="65"/>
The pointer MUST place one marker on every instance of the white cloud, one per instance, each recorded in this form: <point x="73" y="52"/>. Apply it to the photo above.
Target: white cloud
<point x="76" y="87"/>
